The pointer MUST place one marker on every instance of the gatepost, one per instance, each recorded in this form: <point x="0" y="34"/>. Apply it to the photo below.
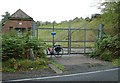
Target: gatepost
<point x="33" y="28"/>
<point x="69" y="38"/>
<point x="100" y="32"/>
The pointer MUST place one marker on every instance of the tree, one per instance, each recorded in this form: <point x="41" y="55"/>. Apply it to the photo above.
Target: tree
<point x="81" y="18"/>
<point x="111" y="14"/>
<point x="95" y="16"/>
<point x="5" y="17"/>
<point x="76" y="19"/>
<point x="87" y="19"/>
<point x="117" y="10"/>
<point x="38" y="23"/>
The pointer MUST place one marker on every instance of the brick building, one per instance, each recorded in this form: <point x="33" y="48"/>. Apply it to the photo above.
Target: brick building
<point x="18" y="21"/>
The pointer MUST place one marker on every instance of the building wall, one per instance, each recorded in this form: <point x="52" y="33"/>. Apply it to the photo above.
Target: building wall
<point x="16" y="24"/>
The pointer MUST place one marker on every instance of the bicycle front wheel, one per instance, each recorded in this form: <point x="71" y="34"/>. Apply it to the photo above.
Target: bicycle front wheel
<point x="59" y="54"/>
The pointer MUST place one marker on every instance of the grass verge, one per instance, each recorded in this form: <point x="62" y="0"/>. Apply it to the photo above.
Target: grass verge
<point x="116" y="62"/>
<point x="14" y="65"/>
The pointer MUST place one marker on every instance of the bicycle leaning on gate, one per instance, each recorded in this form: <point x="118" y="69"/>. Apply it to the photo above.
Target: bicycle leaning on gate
<point x="57" y="51"/>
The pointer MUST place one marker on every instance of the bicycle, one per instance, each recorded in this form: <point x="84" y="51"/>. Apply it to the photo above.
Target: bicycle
<point x="57" y="51"/>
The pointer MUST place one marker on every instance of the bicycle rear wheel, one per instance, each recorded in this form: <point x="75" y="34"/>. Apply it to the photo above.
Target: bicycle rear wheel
<point x="59" y="54"/>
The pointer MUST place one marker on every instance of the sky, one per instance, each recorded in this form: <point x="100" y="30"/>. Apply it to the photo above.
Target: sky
<point x="51" y="10"/>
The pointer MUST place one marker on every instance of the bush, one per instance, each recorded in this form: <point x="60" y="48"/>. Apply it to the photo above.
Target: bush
<point x="106" y="56"/>
<point x="15" y="46"/>
<point x="107" y="48"/>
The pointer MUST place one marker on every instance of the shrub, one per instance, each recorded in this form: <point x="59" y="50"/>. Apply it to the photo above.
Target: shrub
<point x="15" y="46"/>
<point x="107" y="48"/>
<point x="106" y="56"/>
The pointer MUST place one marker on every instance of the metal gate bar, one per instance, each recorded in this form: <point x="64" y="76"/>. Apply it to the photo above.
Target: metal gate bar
<point x="69" y="41"/>
<point x="69" y="38"/>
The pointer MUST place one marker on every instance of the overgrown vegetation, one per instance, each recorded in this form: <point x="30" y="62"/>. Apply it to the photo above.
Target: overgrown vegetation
<point x="18" y="46"/>
<point x="108" y="47"/>
<point x="16" y="52"/>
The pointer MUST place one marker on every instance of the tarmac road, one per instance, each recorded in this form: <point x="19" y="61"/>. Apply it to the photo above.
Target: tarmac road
<point x="110" y="75"/>
<point x="102" y="75"/>
<point x="107" y="75"/>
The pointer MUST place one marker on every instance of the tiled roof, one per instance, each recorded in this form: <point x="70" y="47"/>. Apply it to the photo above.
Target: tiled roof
<point x="19" y="14"/>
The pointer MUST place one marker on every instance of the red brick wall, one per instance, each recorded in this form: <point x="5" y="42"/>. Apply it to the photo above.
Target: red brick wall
<point x="15" y="24"/>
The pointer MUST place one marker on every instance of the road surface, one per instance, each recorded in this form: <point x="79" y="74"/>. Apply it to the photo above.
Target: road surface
<point x="101" y="75"/>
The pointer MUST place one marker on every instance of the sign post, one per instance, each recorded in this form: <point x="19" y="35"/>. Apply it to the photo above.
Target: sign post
<point x="53" y="35"/>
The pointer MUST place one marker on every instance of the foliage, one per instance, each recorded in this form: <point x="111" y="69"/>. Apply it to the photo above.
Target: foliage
<point x="87" y="19"/>
<point x="116" y="62"/>
<point x="5" y="17"/>
<point x="15" y="46"/>
<point x="111" y="16"/>
<point x="107" y="48"/>
<point x="13" y="65"/>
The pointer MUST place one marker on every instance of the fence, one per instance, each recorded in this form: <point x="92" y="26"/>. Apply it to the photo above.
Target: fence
<point x="73" y="40"/>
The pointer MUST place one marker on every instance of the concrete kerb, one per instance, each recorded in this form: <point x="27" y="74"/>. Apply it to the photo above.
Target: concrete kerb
<point x="54" y="68"/>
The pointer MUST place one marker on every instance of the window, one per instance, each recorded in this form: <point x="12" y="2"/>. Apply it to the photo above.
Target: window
<point x="10" y="28"/>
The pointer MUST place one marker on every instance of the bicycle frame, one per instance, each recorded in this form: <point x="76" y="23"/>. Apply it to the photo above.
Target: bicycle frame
<point x="57" y="51"/>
